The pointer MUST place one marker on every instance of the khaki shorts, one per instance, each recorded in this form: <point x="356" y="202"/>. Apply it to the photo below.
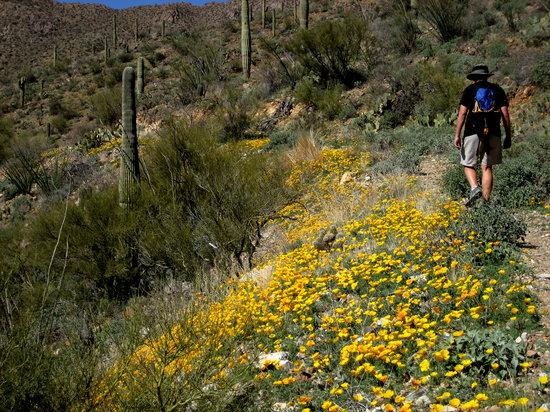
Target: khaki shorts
<point x="472" y="148"/>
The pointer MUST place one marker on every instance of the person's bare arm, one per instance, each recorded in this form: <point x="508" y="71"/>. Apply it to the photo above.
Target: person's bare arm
<point x="507" y="127"/>
<point x="462" y="111"/>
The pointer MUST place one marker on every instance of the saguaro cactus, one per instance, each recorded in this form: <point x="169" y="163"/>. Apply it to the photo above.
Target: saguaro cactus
<point x="140" y="84"/>
<point x="128" y="182"/>
<point x="106" y="50"/>
<point x="273" y="22"/>
<point x="295" y="6"/>
<point x="304" y="14"/>
<point x="263" y="14"/>
<point x="115" y="35"/>
<point x="163" y="28"/>
<point x="246" y="48"/>
<point x="22" y="83"/>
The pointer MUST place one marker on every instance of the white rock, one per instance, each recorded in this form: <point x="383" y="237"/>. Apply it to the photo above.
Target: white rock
<point x="282" y="407"/>
<point x="449" y="408"/>
<point x="279" y="359"/>
<point x="544" y="276"/>
<point x="422" y="402"/>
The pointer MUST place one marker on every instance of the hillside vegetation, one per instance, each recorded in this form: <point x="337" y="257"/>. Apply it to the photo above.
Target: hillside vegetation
<point x="224" y="209"/>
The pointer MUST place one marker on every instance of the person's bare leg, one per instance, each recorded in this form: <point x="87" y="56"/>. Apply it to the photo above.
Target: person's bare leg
<point x="487" y="181"/>
<point x="471" y="176"/>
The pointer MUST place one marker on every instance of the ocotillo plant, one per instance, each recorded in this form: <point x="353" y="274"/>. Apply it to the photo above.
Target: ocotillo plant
<point x="22" y="83"/>
<point x="140" y="83"/>
<point x="263" y="14"/>
<point x="304" y="14"/>
<point x="273" y="22"/>
<point x="115" y="36"/>
<point x="128" y="183"/>
<point x="246" y="48"/>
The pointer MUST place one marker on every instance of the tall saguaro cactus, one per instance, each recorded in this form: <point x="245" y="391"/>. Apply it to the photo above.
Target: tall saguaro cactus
<point x="163" y="28"/>
<point x="22" y="83"/>
<point x="304" y="14"/>
<point x="106" y="50"/>
<point x="140" y="84"/>
<point x="263" y="14"/>
<point x="128" y="182"/>
<point x="246" y="48"/>
<point x="115" y="34"/>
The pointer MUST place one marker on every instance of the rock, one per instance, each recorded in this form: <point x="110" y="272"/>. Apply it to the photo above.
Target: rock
<point x="448" y="408"/>
<point x="282" y="407"/>
<point x="273" y="359"/>
<point x="326" y="238"/>
<point x="346" y="178"/>
<point x="422" y="402"/>
<point x="543" y="276"/>
<point x="522" y="338"/>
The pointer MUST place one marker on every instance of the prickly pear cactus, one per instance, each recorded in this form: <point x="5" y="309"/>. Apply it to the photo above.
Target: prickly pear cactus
<point x="128" y="183"/>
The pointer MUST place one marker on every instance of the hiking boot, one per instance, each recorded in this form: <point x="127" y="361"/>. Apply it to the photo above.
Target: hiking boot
<point x="475" y="194"/>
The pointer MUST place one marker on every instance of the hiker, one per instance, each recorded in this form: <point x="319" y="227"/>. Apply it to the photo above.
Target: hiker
<point x="482" y="106"/>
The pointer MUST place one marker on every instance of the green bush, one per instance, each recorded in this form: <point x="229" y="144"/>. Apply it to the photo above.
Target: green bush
<point x="541" y="73"/>
<point x="505" y="351"/>
<point x="282" y="138"/>
<point x="329" y="50"/>
<point x="511" y="10"/>
<point x="59" y="123"/>
<point x="440" y="88"/>
<point x="497" y="49"/>
<point x="6" y="136"/>
<point x="493" y="222"/>
<point x="106" y="106"/>
<point x="444" y="16"/>
<point x="234" y="115"/>
<point x="324" y="99"/>
<point x="454" y="182"/>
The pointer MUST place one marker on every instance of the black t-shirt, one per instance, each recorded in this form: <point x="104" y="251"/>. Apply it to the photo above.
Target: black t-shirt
<point x="478" y="119"/>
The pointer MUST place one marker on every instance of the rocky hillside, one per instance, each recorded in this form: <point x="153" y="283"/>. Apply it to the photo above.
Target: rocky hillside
<point x="29" y="29"/>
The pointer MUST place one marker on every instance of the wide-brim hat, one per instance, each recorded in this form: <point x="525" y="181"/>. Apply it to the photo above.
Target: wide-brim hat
<point x="480" y="71"/>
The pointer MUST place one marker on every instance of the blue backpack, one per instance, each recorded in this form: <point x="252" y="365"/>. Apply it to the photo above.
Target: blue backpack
<point x="485" y="102"/>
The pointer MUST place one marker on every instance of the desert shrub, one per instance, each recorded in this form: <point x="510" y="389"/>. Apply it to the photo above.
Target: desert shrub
<point x="324" y="99"/>
<point x="106" y="106"/>
<point x="282" y="138"/>
<point x="113" y="77"/>
<point x="21" y="169"/>
<point x="330" y="49"/>
<point x="440" y="88"/>
<point x="59" y="123"/>
<point x="234" y="115"/>
<point x="541" y="73"/>
<point x="201" y="65"/>
<point x="511" y="10"/>
<point x="496" y="49"/>
<point x="224" y="196"/>
<point x="492" y="222"/>
<point x="405" y="148"/>
<point x="454" y="182"/>
<point x="6" y="135"/>
<point x="444" y="16"/>
<point x="404" y="29"/>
